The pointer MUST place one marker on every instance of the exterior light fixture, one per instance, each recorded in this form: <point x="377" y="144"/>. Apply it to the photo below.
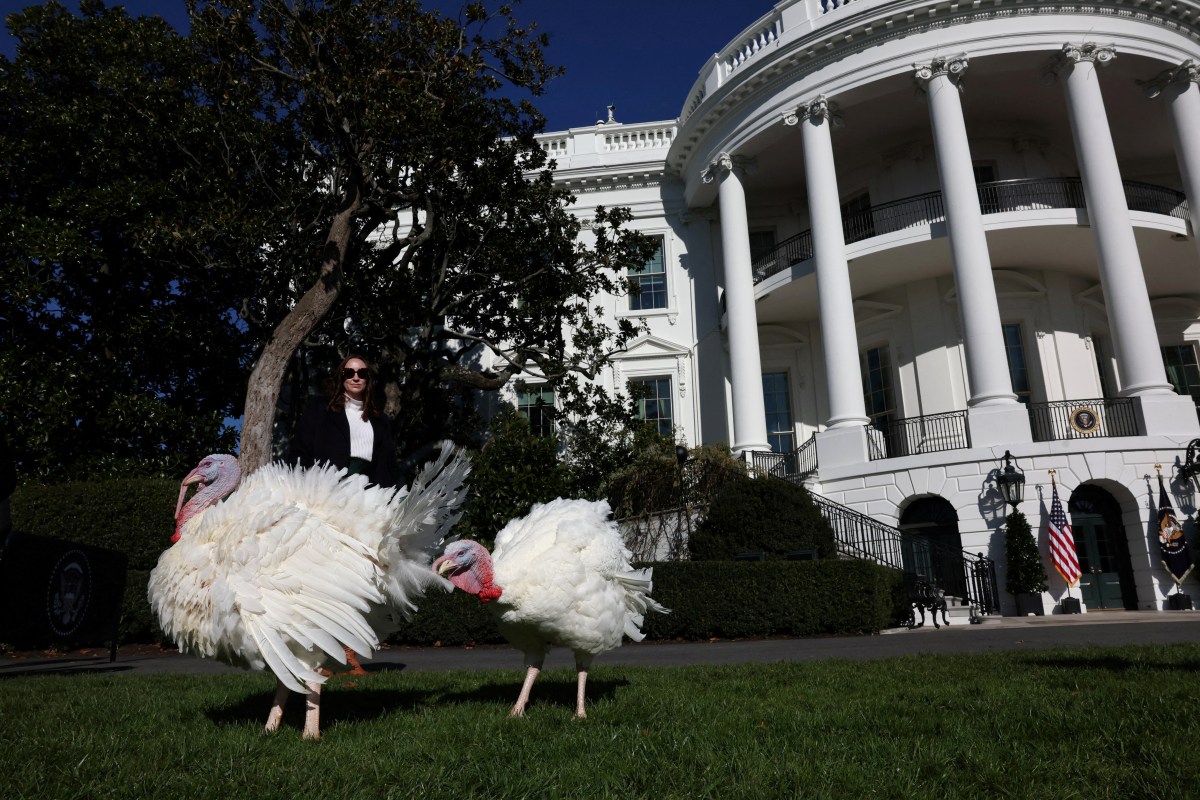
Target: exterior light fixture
<point x="1190" y="469"/>
<point x="681" y="454"/>
<point x="1011" y="481"/>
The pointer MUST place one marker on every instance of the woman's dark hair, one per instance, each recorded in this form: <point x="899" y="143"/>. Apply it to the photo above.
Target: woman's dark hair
<point x="337" y="401"/>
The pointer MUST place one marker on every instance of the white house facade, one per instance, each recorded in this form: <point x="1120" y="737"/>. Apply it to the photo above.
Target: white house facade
<point x="902" y="238"/>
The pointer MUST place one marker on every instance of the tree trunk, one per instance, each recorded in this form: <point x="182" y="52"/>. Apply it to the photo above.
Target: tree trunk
<point x="262" y="393"/>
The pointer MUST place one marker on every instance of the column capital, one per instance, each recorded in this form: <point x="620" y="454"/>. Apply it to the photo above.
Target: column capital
<point x="1087" y="51"/>
<point x="819" y="108"/>
<point x="953" y="67"/>
<point x="1187" y="72"/>
<point x="725" y="163"/>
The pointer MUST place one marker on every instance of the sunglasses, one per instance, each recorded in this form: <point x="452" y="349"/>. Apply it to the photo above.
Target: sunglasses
<point x="363" y="373"/>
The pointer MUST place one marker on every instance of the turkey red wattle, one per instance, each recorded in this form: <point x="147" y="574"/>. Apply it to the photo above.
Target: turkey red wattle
<point x="468" y="566"/>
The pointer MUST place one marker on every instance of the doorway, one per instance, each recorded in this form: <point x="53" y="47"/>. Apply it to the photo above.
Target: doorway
<point x="933" y="549"/>
<point x="1103" y="550"/>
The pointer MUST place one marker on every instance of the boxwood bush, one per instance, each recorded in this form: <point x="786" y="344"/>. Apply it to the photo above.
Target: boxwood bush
<point x="132" y="515"/>
<point x="723" y="599"/>
<point x="762" y="515"/>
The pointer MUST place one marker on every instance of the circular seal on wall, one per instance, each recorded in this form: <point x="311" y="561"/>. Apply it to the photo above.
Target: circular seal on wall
<point x="1085" y="420"/>
<point x="68" y="593"/>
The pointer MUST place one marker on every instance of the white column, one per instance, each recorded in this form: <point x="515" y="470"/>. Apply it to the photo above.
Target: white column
<point x="839" y="339"/>
<point x="983" y="337"/>
<point x="1179" y="86"/>
<point x="1130" y="319"/>
<point x="749" y="412"/>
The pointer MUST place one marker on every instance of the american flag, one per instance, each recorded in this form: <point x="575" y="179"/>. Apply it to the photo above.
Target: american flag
<point x="1062" y="542"/>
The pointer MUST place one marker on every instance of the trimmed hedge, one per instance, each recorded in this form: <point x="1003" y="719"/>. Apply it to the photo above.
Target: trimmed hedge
<point x="761" y="515"/>
<point x="725" y="599"/>
<point x="132" y="515"/>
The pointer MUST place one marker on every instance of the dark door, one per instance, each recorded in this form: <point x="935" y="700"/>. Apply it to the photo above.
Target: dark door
<point x="933" y="548"/>
<point x="1103" y="550"/>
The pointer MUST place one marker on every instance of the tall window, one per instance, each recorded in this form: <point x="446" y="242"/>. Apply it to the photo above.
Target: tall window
<point x="1018" y="369"/>
<point x="857" y="221"/>
<point x="537" y="404"/>
<point x="761" y="243"/>
<point x="654" y="403"/>
<point x="1182" y="372"/>
<point x="648" y="283"/>
<point x="877" y="386"/>
<point x="780" y="433"/>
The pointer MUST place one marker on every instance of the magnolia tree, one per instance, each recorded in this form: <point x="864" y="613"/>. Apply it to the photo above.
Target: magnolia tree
<point x="415" y="178"/>
<point x="282" y="167"/>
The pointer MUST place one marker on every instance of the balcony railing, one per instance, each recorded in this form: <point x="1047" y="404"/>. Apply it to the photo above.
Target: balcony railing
<point x="794" y="466"/>
<point x="906" y="436"/>
<point x="996" y="197"/>
<point x="1083" y="419"/>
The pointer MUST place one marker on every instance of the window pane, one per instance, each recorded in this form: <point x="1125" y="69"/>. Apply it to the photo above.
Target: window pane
<point x="1018" y="372"/>
<point x="655" y="404"/>
<point x="537" y="404"/>
<point x="1182" y="371"/>
<point x="877" y="384"/>
<point x="648" y="283"/>
<point x="780" y="432"/>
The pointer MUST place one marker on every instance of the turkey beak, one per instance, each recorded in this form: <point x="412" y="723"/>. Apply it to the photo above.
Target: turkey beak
<point x="192" y="477"/>
<point x="444" y="565"/>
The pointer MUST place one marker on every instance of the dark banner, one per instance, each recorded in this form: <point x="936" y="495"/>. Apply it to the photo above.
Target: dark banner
<point x="1175" y="555"/>
<point x="59" y="593"/>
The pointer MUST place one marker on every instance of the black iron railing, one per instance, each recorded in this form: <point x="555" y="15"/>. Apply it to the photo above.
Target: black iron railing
<point x="1083" y="419"/>
<point x="956" y="572"/>
<point x="995" y="197"/>
<point x="905" y="436"/>
<point x="793" y="466"/>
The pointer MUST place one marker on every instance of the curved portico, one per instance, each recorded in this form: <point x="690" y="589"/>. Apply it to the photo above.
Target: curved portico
<point x="816" y="197"/>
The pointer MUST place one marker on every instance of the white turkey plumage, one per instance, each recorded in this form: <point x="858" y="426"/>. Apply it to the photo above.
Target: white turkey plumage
<point x="559" y="576"/>
<point x="298" y="564"/>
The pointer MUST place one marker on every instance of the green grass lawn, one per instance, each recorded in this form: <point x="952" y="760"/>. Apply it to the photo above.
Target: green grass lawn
<point x="1061" y="724"/>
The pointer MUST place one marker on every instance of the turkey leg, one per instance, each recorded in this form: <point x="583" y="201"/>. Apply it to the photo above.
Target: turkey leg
<point x="581" y="664"/>
<point x="312" y="711"/>
<point x="534" y="667"/>
<point x="281" y="696"/>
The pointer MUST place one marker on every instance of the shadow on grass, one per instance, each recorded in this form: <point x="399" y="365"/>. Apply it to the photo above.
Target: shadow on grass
<point x="339" y="703"/>
<point x="558" y="692"/>
<point x="1111" y="663"/>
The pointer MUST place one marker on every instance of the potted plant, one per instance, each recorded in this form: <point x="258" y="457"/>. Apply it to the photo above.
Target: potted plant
<point x="1026" y="578"/>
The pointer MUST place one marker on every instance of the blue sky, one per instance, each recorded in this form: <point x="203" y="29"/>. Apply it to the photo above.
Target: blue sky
<point x="641" y="55"/>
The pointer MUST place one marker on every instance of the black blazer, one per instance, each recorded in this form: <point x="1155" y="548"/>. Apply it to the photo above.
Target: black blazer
<point x="324" y="436"/>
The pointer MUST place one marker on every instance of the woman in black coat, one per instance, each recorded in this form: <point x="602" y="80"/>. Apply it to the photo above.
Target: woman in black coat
<point x="347" y="430"/>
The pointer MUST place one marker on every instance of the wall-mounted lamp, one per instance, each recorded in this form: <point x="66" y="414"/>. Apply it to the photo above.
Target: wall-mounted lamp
<point x="1190" y="469"/>
<point x="1011" y="481"/>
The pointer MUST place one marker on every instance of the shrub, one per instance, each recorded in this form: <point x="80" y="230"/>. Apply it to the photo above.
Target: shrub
<point x="761" y="515"/>
<point x="1025" y="574"/>
<point x="514" y="470"/>
<point x="130" y="515"/>
<point x="727" y="599"/>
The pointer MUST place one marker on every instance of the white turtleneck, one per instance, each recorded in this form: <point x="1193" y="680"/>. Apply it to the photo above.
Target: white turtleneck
<point x="362" y="436"/>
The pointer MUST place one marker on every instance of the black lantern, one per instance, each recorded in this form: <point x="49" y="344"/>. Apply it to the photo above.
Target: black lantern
<point x="681" y="454"/>
<point x="1011" y="481"/>
<point x="1190" y="469"/>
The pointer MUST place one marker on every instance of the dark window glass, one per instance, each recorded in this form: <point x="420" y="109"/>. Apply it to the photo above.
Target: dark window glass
<point x="648" y="283"/>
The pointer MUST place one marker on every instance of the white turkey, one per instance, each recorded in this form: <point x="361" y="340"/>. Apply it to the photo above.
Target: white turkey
<point x="558" y="576"/>
<point x="298" y="564"/>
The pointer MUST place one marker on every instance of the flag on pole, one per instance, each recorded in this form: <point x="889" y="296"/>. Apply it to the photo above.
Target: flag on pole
<point x="1175" y="556"/>
<point x="1062" y="542"/>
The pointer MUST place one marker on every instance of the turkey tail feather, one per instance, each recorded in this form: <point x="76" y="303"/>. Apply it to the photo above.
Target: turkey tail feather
<point x="423" y="518"/>
<point x="637" y="584"/>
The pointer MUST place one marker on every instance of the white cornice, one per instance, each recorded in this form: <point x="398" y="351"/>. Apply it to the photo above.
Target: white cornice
<point x="806" y="39"/>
